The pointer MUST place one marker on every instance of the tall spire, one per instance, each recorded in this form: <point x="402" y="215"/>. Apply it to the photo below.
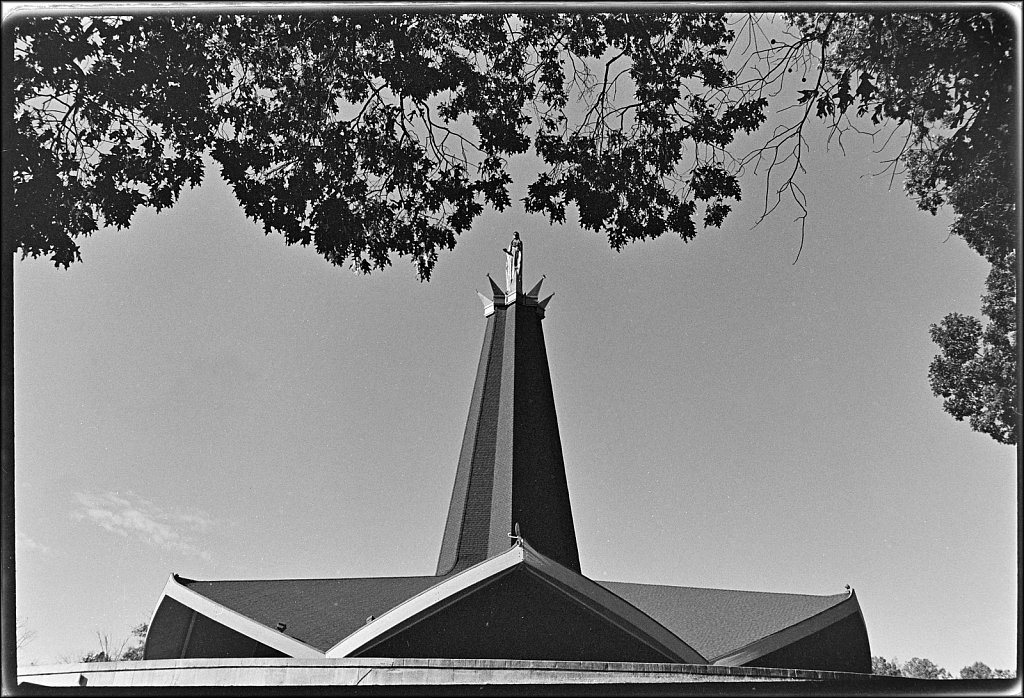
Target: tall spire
<point x="510" y="468"/>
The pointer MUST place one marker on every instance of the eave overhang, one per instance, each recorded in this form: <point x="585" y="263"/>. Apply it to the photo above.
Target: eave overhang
<point x="787" y="636"/>
<point x="270" y="637"/>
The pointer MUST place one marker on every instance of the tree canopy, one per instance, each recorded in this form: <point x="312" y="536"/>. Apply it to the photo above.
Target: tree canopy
<point x="110" y="114"/>
<point x="124" y="652"/>
<point x="373" y="136"/>
<point x="918" y="668"/>
<point x="946" y="80"/>
<point x="980" y="670"/>
<point x="880" y="666"/>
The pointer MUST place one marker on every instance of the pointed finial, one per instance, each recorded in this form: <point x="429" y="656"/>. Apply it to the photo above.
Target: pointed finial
<point x="536" y="289"/>
<point x="488" y="304"/>
<point x="498" y="293"/>
<point x="544" y="303"/>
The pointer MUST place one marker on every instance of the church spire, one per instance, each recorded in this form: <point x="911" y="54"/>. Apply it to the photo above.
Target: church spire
<point x="510" y="473"/>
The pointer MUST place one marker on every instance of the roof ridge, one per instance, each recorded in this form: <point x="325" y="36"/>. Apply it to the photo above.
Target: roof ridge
<point x="187" y="581"/>
<point x="844" y="592"/>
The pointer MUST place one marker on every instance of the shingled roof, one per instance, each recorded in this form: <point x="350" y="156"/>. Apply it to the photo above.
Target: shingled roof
<point x="319" y="612"/>
<point x="322" y="612"/>
<point x="718" y="621"/>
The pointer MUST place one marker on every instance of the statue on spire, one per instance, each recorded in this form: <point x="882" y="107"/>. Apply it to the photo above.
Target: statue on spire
<point x="514" y="265"/>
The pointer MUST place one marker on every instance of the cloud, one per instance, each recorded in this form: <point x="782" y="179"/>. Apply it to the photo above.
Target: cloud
<point x="26" y="544"/>
<point x="136" y="518"/>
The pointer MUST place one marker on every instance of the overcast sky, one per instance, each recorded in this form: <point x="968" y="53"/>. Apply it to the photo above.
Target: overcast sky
<point x="196" y="397"/>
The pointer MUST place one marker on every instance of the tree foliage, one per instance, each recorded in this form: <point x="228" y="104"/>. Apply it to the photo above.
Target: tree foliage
<point x="124" y="652"/>
<point x="372" y="135"/>
<point x="111" y="114"/>
<point x="945" y="82"/>
<point x="980" y="670"/>
<point x="976" y="372"/>
<point x="950" y="77"/>
<point x="379" y="135"/>
<point x="918" y="668"/>
<point x="880" y="666"/>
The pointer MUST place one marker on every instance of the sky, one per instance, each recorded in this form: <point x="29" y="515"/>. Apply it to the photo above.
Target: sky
<point x="195" y="397"/>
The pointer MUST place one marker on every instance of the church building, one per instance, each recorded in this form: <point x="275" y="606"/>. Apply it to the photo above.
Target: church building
<point x="508" y="583"/>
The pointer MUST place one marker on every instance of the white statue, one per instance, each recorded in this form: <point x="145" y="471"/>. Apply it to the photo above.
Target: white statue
<point x="514" y="265"/>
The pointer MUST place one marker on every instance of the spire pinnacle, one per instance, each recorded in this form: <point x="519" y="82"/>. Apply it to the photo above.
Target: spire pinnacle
<point x="499" y="295"/>
<point x="488" y="304"/>
<point x="513" y="292"/>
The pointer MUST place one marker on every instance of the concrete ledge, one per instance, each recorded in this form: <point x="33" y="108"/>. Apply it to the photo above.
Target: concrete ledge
<point x="350" y="671"/>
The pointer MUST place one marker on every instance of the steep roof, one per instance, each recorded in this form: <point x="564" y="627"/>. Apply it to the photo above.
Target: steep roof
<point x="717" y="621"/>
<point x="322" y="612"/>
<point x="319" y="612"/>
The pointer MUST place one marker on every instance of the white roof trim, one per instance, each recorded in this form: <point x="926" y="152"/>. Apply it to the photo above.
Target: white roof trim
<point x="788" y="636"/>
<point x="616" y="610"/>
<point x="582" y="590"/>
<point x="236" y="621"/>
<point x="160" y="600"/>
<point x="435" y="598"/>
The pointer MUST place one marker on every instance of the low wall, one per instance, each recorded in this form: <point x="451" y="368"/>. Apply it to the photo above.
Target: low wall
<point x="400" y="672"/>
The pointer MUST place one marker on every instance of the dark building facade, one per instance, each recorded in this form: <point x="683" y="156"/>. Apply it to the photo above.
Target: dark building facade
<point x="508" y="583"/>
